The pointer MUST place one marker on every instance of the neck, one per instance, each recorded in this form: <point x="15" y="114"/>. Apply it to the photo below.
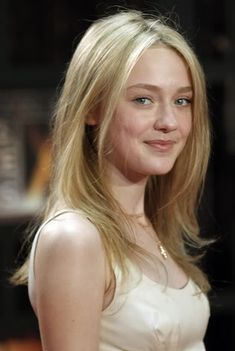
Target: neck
<point x="128" y="192"/>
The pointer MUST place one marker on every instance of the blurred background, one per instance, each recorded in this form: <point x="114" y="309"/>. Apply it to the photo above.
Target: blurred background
<point x="37" y="39"/>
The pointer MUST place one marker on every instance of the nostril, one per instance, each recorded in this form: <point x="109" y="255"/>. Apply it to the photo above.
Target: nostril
<point x="165" y="126"/>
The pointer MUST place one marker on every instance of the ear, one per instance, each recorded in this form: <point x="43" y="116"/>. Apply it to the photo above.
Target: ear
<point x="92" y="119"/>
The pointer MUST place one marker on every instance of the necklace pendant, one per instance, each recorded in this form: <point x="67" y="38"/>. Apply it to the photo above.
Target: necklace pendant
<point x="163" y="251"/>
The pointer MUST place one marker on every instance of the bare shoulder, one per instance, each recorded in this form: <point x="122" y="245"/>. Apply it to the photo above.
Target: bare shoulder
<point x="70" y="247"/>
<point x="70" y="282"/>
<point x="70" y="231"/>
<point x="69" y="224"/>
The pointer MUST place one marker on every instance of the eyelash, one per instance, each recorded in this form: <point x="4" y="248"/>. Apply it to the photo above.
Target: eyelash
<point x="187" y="101"/>
<point x="139" y="100"/>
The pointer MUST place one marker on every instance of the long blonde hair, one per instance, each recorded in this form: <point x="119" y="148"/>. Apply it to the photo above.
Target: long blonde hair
<point x="94" y="81"/>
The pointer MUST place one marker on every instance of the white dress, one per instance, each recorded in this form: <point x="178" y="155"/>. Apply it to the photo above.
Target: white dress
<point x="147" y="316"/>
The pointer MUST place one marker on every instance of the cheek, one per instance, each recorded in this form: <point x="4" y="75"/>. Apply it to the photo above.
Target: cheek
<point x="186" y="127"/>
<point x="119" y="134"/>
<point x="188" y="131"/>
<point x="126" y="126"/>
<point x="186" y="134"/>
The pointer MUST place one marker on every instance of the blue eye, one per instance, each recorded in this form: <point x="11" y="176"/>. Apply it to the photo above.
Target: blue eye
<point x="183" y="101"/>
<point x="143" y="101"/>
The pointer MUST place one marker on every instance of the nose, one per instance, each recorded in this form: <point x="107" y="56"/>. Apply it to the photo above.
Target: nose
<point x="165" y="120"/>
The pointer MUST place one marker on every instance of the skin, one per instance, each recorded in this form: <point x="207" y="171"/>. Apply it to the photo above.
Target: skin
<point x="151" y="124"/>
<point x="150" y="128"/>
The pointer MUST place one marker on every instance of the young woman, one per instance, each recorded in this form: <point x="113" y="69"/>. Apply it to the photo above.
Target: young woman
<point x="111" y="267"/>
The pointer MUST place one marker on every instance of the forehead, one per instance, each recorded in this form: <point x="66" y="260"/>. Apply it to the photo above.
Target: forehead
<point x="160" y="66"/>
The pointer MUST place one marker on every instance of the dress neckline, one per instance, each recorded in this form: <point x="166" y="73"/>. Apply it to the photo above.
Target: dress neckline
<point x="144" y="277"/>
<point x="184" y="287"/>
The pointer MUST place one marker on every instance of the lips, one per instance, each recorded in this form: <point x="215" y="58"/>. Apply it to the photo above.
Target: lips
<point x="161" y="145"/>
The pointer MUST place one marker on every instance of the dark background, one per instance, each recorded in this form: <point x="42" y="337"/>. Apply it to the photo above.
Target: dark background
<point x="37" y="39"/>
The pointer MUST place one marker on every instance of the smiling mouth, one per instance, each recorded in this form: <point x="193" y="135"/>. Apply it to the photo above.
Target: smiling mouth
<point x="161" y="145"/>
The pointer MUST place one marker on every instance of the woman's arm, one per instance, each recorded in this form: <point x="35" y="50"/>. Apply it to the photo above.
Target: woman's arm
<point x="70" y="284"/>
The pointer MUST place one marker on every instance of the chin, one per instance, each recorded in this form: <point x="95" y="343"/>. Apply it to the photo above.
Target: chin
<point x="162" y="170"/>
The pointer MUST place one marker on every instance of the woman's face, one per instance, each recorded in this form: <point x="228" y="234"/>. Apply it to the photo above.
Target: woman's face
<point x="154" y="116"/>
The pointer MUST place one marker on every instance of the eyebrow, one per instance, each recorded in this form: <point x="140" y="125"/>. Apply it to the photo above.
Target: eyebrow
<point x="183" y="89"/>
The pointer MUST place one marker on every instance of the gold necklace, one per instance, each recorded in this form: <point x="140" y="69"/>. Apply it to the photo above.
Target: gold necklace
<point x="161" y="248"/>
